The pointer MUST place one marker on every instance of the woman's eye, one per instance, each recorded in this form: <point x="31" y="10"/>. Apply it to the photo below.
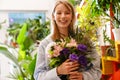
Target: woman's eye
<point x="67" y="13"/>
<point x="58" y="13"/>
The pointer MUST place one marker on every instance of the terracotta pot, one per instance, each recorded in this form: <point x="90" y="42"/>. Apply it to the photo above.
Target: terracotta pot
<point x="104" y="48"/>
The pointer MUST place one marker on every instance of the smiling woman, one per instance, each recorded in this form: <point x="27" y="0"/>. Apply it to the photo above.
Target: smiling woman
<point x="63" y="21"/>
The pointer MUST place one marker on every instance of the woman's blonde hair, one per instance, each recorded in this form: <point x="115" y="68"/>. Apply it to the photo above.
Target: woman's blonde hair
<point x="55" y="31"/>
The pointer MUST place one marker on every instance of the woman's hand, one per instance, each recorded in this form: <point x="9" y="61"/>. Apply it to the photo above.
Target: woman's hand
<point x="76" y="76"/>
<point x="67" y="67"/>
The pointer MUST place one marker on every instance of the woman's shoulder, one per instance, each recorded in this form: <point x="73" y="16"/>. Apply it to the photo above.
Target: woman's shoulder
<point x="46" y="40"/>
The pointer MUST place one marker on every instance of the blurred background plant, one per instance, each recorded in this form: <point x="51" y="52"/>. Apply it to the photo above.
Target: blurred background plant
<point x="36" y="29"/>
<point x="104" y="7"/>
<point x="90" y="20"/>
<point x="93" y="14"/>
<point x="23" y="46"/>
<point x="75" y="2"/>
<point x="110" y="49"/>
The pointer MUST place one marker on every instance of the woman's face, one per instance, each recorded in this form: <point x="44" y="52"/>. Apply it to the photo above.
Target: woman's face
<point x="62" y="16"/>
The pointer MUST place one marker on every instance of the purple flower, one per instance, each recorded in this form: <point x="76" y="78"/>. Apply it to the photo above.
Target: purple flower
<point x="65" y="51"/>
<point x="82" y="47"/>
<point x="73" y="57"/>
<point x="82" y="60"/>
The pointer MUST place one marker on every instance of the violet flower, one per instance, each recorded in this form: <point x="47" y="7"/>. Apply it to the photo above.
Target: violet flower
<point x="82" y="60"/>
<point x="73" y="57"/>
<point x="65" y="51"/>
<point x="82" y="47"/>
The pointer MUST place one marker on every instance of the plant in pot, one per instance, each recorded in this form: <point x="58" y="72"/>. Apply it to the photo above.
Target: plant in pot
<point x="109" y="50"/>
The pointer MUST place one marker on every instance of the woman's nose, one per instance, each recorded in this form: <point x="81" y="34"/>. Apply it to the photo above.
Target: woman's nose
<point x="63" y="15"/>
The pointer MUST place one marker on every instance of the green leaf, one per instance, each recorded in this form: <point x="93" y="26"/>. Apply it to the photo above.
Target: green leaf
<point x="8" y="54"/>
<point x="22" y="35"/>
<point x="27" y="43"/>
<point x="21" y="55"/>
<point x="16" y="75"/>
<point x="54" y="62"/>
<point x="31" y="66"/>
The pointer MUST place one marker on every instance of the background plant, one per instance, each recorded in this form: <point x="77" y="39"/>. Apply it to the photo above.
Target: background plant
<point x="24" y="37"/>
<point x="110" y="50"/>
<point x="36" y="29"/>
<point x="90" y="20"/>
<point x="103" y="7"/>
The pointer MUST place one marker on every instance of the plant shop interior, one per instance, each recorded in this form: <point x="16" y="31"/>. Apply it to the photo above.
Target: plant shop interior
<point x="32" y="18"/>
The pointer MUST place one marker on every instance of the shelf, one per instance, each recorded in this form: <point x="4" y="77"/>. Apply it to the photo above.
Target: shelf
<point x="107" y="67"/>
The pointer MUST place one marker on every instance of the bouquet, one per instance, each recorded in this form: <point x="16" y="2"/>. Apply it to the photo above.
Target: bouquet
<point x="69" y="48"/>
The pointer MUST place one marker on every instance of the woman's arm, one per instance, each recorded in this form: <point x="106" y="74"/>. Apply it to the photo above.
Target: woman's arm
<point x="41" y="70"/>
<point x="95" y="72"/>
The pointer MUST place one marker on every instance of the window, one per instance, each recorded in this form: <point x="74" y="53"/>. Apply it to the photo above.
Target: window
<point x="21" y="17"/>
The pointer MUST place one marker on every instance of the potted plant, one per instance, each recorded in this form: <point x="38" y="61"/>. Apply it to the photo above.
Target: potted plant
<point x="109" y="50"/>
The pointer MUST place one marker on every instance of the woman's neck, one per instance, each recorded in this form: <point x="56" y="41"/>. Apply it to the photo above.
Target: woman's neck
<point x="63" y="32"/>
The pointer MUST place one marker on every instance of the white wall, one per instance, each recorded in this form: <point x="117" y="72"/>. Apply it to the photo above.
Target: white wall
<point x="25" y="4"/>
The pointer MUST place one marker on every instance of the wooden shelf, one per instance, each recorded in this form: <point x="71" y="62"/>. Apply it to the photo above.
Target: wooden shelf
<point x="109" y="58"/>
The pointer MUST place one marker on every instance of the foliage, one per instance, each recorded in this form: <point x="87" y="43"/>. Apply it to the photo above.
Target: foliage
<point x="110" y="8"/>
<point x="109" y="51"/>
<point x="103" y="6"/>
<point x="25" y="36"/>
<point x="75" y="2"/>
<point x="90" y="20"/>
<point x="107" y="39"/>
<point x="36" y="29"/>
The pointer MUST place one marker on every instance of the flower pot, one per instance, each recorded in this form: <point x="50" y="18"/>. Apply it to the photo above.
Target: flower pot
<point x="104" y="48"/>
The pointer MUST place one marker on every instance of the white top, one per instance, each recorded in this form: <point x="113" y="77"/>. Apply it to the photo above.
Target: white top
<point x="42" y="71"/>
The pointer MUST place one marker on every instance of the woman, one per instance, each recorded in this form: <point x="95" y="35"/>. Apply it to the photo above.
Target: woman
<point x="63" y="17"/>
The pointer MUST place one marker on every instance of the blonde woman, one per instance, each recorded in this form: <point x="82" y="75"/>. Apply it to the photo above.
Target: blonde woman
<point x="63" y="19"/>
